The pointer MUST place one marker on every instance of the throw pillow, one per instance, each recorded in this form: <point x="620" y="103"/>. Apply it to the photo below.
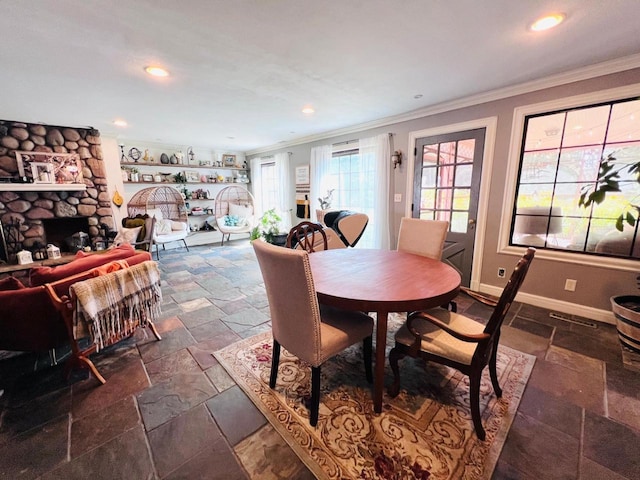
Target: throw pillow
<point x="163" y="227"/>
<point x="233" y="221"/>
<point x="10" y="283"/>
<point x="242" y="211"/>
<point x="127" y="235"/>
<point x="178" y="226"/>
<point x="138" y="221"/>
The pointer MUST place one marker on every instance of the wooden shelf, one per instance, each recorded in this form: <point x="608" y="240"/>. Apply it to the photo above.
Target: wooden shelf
<point x="42" y="187"/>
<point x="183" y="166"/>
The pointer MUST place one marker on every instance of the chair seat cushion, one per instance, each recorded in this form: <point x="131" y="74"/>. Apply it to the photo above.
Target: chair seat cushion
<point x="439" y="342"/>
<point x="171" y="237"/>
<point x="340" y="329"/>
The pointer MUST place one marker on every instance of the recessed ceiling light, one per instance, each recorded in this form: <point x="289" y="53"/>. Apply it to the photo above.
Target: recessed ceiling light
<point x="156" y="71"/>
<point x="417" y="96"/>
<point x="231" y="138"/>
<point x="547" y="22"/>
<point x="308" y="110"/>
<point x="120" y="123"/>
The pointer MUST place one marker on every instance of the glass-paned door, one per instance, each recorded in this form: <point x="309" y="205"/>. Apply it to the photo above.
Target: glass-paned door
<point x="447" y="186"/>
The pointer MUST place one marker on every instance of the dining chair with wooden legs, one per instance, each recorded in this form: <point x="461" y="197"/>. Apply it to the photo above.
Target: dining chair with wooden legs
<point x="310" y="331"/>
<point x="307" y="236"/>
<point x="443" y="336"/>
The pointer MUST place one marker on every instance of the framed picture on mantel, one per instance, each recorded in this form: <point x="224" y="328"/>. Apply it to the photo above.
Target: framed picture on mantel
<point x="49" y="168"/>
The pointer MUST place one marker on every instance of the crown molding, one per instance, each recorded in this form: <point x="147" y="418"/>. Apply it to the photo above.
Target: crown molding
<point x="584" y="73"/>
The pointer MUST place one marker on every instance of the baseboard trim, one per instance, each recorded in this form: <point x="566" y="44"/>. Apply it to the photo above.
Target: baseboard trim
<point x="604" y="316"/>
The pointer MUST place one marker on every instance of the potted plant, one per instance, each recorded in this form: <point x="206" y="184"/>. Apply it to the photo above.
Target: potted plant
<point x="268" y="227"/>
<point x="626" y="308"/>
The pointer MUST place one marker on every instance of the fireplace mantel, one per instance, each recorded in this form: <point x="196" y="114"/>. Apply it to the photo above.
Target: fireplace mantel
<point x="42" y="187"/>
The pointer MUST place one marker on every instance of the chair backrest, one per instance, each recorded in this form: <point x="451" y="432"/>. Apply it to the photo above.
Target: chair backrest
<point x="232" y="195"/>
<point x="307" y="236"/>
<point x="509" y="292"/>
<point x="295" y="313"/>
<point x="422" y="237"/>
<point x="348" y="225"/>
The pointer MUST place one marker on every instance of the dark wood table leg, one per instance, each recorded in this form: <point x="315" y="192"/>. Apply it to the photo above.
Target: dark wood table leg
<point x="381" y="345"/>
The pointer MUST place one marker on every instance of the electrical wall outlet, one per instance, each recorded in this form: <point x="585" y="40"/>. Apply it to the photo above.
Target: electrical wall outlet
<point x="501" y="272"/>
<point x="570" y="285"/>
<point x="397" y="198"/>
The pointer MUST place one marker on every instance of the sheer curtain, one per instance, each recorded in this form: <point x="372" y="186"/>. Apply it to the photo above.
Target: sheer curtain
<point x="256" y="185"/>
<point x="319" y="167"/>
<point x="375" y="158"/>
<point x="283" y="177"/>
<point x="276" y="186"/>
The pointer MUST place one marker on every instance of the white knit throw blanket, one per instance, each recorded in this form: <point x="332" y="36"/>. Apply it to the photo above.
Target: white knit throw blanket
<point x="115" y="304"/>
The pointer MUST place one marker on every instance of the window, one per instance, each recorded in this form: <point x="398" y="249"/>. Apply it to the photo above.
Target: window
<point x="269" y="192"/>
<point x="351" y="182"/>
<point x="560" y="157"/>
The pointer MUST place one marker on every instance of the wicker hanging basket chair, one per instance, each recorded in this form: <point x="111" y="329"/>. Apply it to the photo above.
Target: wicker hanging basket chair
<point x="237" y="202"/>
<point x="167" y="199"/>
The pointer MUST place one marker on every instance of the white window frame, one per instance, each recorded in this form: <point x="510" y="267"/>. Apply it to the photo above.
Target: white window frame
<point x="508" y="202"/>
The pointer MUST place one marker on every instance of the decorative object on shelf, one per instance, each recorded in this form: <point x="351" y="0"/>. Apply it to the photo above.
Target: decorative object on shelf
<point x="134" y="174"/>
<point x="165" y="176"/>
<point x="123" y="157"/>
<point x="147" y="157"/>
<point x="164" y="158"/>
<point x="24" y="257"/>
<point x="117" y="199"/>
<point x="204" y="163"/>
<point x="229" y="160"/>
<point x="157" y="178"/>
<point x="125" y="174"/>
<point x="12" y="243"/>
<point x="147" y="178"/>
<point x="173" y="160"/>
<point x="53" y="251"/>
<point x="191" y="156"/>
<point x="179" y="157"/>
<point x="192" y="176"/>
<point x="242" y="177"/>
<point x="135" y="154"/>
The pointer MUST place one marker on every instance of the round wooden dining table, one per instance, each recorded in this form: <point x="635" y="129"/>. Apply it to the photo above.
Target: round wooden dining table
<point x="381" y="281"/>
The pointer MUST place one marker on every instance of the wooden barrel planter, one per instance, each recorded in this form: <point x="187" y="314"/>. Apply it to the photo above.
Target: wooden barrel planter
<point x="626" y="309"/>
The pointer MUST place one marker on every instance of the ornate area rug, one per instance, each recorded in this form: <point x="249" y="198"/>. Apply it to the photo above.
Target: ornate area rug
<point x="425" y="432"/>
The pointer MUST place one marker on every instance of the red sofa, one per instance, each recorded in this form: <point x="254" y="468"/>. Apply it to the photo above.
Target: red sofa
<point x="28" y="319"/>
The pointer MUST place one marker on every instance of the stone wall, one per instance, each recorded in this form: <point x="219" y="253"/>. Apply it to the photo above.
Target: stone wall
<point x="29" y="208"/>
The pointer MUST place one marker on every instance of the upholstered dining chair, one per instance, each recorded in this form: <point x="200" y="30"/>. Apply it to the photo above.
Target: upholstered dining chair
<point x="311" y="332"/>
<point x="442" y="336"/>
<point x="425" y="238"/>
<point x="307" y="236"/>
<point x="422" y="237"/>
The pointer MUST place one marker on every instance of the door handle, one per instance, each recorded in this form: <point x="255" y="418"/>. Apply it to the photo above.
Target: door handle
<point x="472" y="222"/>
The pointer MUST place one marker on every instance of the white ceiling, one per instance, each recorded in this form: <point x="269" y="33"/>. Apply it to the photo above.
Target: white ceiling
<point x="245" y="68"/>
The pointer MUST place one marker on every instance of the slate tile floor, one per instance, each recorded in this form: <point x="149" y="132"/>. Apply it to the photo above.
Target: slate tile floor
<point x="170" y="411"/>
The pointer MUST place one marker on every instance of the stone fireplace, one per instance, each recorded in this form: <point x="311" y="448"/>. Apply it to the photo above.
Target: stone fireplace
<point x="30" y="209"/>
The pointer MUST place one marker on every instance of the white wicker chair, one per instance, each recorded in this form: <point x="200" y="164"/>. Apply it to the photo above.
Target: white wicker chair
<point x="234" y="201"/>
